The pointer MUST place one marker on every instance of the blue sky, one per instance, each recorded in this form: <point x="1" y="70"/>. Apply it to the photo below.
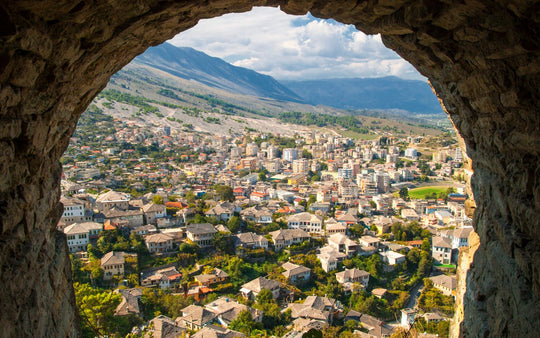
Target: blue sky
<point x="294" y="47"/>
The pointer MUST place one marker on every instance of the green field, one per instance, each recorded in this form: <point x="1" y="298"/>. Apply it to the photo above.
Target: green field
<point x="420" y="193"/>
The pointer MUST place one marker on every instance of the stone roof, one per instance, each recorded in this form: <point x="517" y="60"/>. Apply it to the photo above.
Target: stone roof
<point x="129" y="303"/>
<point x="151" y="207"/>
<point x="201" y="228"/>
<point x="158" y="238"/>
<point x="445" y="281"/>
<point x="165" y="327"/>
<point x="113" y="257"/>
<point x="82" y="228"/>
<point x="314" y="307"/>
<point x="353" y="273"/>
<point x="293" y="269"/>
<point x="70" y="201"/>
<point x="462" y="232"/>
<point x="304" y="217"/>
<point x="288" y="234"/>
<point x="441" y="242"/>
<point x="113" y="196"/>
<point x="249" y="238"/>
<point x="197" y="315"/>
<point x="214" y="331"/>
<point x="340" y="238"/>
<point x="260" y="283"/>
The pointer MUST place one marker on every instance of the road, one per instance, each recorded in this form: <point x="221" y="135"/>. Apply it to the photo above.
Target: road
<point x="414" y="294"/>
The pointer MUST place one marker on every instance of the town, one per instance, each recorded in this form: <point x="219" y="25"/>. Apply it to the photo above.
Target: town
<point x="179" y="233"/>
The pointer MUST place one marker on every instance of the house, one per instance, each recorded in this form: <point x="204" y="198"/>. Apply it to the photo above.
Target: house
<point x="129" y="305"/>
<point x="307" y="222"/>
<point x="223" y="211"/>
<point x="258" y="196"/>
<point x="334" y="227"/>
<point x="250" y="240"/>
<point x="330" y="257"/>
<point x="74" y="211"/>
<point x="314" y="307"/>
<point x="79" y="235"/>
<point x="201" y="234"/>
<point x="392" y="258"/>
<point x="295" y="273"/>
<point x="195" y="317"/>
<point x="441" y="250"/>
<point x="286" y="237"/>
<point x="410" y="215"/>
<point x="215" y="276"/>
<point x="164" y="278"/>
<point x="158" y="243"/>
<point x="348" y="219"/>
<point x="353" y="275"/>
<point x="379" y="292"/>
<point x="320" y="206"/>
<point x="213" y="331"/>
<point x="153" y="211"/>
<point x="375" y="327"/>
<point x="460" y="237"/>
<point x="112" y="264"/>
<point x="130" y="218"/>
<point x="257" y="214"/>
<point x="227" y="310"/>
<point x="113" y="199"/>
<point x="251" y="289"/>
<point x="369" y="241"/>
<point x="445" y="284"/>
<point x="164" y="327"/>
<point x="344" y="244"/>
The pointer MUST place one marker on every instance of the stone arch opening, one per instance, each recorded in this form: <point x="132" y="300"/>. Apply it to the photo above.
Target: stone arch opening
<point x="482" y="58"/>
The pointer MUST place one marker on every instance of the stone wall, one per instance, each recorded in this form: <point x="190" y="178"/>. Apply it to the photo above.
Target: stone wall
<point x="482" y="57"/>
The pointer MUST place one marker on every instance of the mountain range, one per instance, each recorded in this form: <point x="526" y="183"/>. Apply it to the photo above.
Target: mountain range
<point x="353" y="94"/>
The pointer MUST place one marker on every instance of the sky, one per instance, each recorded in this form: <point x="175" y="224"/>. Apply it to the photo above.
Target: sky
<point x="289" y="47"/>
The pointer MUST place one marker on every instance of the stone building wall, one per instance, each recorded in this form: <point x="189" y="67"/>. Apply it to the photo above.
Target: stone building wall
<point x="482" y="57"/>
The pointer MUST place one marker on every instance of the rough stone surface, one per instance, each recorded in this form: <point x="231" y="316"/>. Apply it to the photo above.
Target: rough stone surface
<point x="482" y="57"/>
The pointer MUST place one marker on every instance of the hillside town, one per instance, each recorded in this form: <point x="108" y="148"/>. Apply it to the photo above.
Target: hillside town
<point x="178" y="233"/>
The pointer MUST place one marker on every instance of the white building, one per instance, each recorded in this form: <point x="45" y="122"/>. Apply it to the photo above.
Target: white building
<point x="79" y="235"/>
<point x="290" y="154"/>
<point x="307" y="222"/>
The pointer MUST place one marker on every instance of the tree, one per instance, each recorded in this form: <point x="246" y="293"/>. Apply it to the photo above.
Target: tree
<point x="404" y="193"/>
<point x="243" y="323"/>
<point x="96" y="309"/>
<point x="425" y="245"/>
<point x="265" y="297"/>
<point x="224" y="192"/>
<point x="223" y="242"/>
<point x="307" y="154"/>
<point x="262" y="176"/>
<point x="190" y="197"/>
<point x="157" y="199"/>
<point x="234" y="224"/>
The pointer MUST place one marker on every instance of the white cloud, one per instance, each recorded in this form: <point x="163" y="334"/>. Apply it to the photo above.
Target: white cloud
<point x="294" y="47"/>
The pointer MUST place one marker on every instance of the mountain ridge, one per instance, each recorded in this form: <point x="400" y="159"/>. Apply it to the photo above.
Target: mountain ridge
<point x="368" y="93"/>
<point x="191" y="64"/>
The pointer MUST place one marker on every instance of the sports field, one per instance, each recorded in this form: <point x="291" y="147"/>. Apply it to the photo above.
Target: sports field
<point x="420" y="193"/>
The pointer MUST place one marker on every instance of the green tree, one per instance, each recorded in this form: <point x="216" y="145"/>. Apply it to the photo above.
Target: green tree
<point x="265" y="297"/>
<point x="223" y="242"/>
<point x="243" y="323"/>
<point x="190" y="197"/>
<point x="157" y="199"/>
<point x="404" y="193"/>
<point x="234" y="224"/>
<point x="224" y="192"/>
<point x="426" y="246"/>
<point x="96" y="309"/>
